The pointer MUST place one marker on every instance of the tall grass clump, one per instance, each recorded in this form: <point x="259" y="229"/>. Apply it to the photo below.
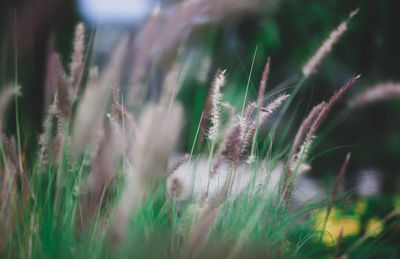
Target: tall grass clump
<point x="109" y="182"/>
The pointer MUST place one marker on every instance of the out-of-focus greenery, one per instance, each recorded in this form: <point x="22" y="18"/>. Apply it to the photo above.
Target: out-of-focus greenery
<point x="289" y="33"/>
<point x="28" y="31"/>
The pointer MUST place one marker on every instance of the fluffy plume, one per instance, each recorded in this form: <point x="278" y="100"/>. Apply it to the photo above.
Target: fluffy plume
<point x="246" y="119"/>
<point x="233" y="146"/>
<point x="209" y="105"/>
<point x="263" y="82"/>
<point x="120" y="114"/>
<point x="153" y="144"/>
<point x="296" y="167"/>
<point x="296" y="161"/>
<point x="305" y="126"/>
<point x="171" y="85"/>
<point x="76" y="66"/>
<point x="89" y="118"/>
<point x="90" y="114"/>
<point x="177" y="164"/>
<point x="62" y="86"/>
<point x="46" y="137"/>
<point x="263" y="85"/>
<point x="201" y="231"/>
<point x="376" y="93"/>
<point x="158" y="132"/>
<point x="300" y="150"/>
<point x="167" y="28"/>
<point x="121" y="117"/>
<point x="265" y="112"/>
<point x="272" y="106"/>
<point x="239" y="134"/>
<point x="216" y="96"/>
<point x="229" y="139"/>
<point x="128" y="120"/>
<point x="325" y="110"/>
<point x="58" y="142"/>
<point x="52" y="138"/>
<point x="326" y="47"/>
<point x="50" y="87"/>
<point x="101" y="174"/>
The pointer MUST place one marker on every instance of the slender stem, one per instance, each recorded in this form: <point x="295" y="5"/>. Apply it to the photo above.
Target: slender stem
<point x="394" y="213"/>
<point x="248" y="80"/>
<point x="210" y="164"/>
<point x="195" y="137"/>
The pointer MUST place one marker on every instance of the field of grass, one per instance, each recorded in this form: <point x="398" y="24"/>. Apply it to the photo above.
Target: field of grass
<point x="107" y="181"/>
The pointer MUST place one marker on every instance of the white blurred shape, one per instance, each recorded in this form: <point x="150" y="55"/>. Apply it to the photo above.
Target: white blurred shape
<point x="115" y="11"/>
<point x="308" y="190"/>
<point x="368" y="182"/>
<point x="193" y="178"/>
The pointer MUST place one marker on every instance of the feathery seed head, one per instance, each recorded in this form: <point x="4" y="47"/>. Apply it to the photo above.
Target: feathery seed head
<point x="354" y="13"/>
<point x="376" y="93"/>
<point x="263" y="82"/>
<point x="92" y="108"/>
<point x="233" y="146"/>
<point x="216" y="97"/>
<point x="210" y="109"/>
<point x="177" y="164"/>
<point x="76" y="66"/>
<point x="271" y="107"/>
<point x="326" y="47"/>
<point x="245" y="120"/>
<point x="325" y="110"/>
<point x="306" y="124"/>
<point x="251" y="127"/>
<point x="149" y="158"/>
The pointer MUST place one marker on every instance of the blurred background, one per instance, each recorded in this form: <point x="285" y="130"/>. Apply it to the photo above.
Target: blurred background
<point x="225" y="34"/>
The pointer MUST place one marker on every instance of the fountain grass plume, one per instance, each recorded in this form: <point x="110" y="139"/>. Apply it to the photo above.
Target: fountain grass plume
<point x="77" y="64"/>
<point x="376" y="93"/>
<point x="211" y="106"/>
<point x="90" y="113"/>
<point x="326" y="47"/>
<point x="296" y="162"/>
<point x="325" y="110"/>
<point x="305" y="126"/>
<point x="216" y="97"/>
<point x="264" y="114"/>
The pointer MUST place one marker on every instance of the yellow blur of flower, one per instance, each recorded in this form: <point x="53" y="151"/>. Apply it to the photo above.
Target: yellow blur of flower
<point x="397" y="201"/>
<point x="335" y="224"/>
<point x="375" y="226"/>
<point x="349" y="223"/>
<point x="360" y="207"/>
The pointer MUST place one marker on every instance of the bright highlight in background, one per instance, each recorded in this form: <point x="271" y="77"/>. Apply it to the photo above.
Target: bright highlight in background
<point x="115" y="11"/>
